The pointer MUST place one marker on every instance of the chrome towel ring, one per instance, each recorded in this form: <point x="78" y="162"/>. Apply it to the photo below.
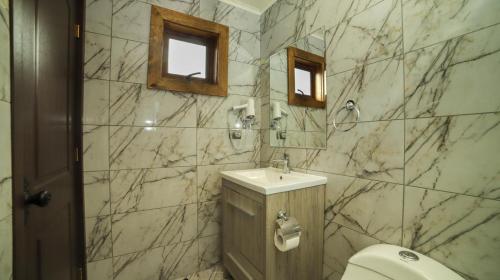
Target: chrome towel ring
<point x="349" y="106"/>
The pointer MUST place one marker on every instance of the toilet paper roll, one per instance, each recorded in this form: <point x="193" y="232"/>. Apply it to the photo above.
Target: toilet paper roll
<point x="286" y="242"/>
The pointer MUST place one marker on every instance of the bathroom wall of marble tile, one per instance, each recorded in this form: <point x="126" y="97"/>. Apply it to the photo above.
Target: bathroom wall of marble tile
<point x="421" y="168"/>
<point x="152" y="158"/>
<point x="5" y="147"/>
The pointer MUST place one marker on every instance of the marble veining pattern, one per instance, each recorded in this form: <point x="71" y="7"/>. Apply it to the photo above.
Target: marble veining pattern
<point x="438" y="80"/>
<point x="98" y="234"/>
<point x="243" y="79"/>
<point x="167" y="262"/>
<point x="327" y="13"/>
<point x="131" y="20"/>
<point x="244" y="46"/>
<point x="456" y="154"/>
<point x="376" y="88"/>
<point x="370" y="207"/>
<point x="209" y="181"/>
<point x="372" y="150"/>
<point x="96" y="193"/>
<point x="95" y="148"/>
<point x="129" y="61"/>
<point x="142" y="189"/>
<point x="209" y="218"/>
<point x="190" y="7"/>
<point x="427" y="22"/>
<point x="135" y="104"/>
<point x="5" y="54"/>
<point x="97" y="61"/>
<point x="141" y="230"/>
<point x="370" y="36"/>
<point x="98" y="16"/>
<point x="96" y="102"/>
<point x="149" y="147"/>
<point x="210" y="252"/>
<point x="236" y="17"/>
<point x="214" y="147"/>
<point x="471" y="229"/>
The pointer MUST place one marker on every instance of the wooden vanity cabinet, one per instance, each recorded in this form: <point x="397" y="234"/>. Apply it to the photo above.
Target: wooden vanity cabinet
<point x="248" y="233"/>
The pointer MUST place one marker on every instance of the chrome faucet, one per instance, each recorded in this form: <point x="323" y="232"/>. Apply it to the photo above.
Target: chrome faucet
<point x="285" y="161"/>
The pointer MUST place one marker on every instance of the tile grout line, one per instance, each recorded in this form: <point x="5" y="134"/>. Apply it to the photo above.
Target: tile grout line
<point x="109" y="143"/>
<point x="403" y="92"/>
<point x="197" y="196"/>
<point x="403" y="185"/>
<point x="414" y="50"/>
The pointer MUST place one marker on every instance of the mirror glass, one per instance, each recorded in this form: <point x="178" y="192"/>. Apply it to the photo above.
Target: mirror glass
<point x="290" y="125"/>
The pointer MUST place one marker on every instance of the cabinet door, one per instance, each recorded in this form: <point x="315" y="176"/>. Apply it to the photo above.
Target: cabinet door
<point x="306" y="261"/>
<point x="243" y="235"/>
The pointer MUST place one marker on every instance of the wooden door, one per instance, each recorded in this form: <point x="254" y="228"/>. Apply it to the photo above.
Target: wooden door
<point x="48" y="210"/>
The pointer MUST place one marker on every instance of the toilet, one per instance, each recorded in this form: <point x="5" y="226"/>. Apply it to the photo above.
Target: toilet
<point x="389" y="262"/>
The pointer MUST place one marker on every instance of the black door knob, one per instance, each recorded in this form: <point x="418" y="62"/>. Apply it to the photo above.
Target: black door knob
<point x="41" y="198"/>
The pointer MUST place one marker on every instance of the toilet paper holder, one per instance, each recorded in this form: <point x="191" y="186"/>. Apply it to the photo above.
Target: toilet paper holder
<point x="288" y="225"/>
<point x="282" y="215"/>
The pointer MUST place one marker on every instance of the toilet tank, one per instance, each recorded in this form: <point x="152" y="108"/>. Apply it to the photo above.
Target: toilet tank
<point x="380" y="262"/>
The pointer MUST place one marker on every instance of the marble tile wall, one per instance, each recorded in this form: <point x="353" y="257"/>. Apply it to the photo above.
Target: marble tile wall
<point x="421" y="168"/>
<point x="5" y="147"/>
<point x="152" y="158"/>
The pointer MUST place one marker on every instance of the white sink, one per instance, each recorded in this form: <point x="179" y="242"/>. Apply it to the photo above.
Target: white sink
<point x="272" y="180"/>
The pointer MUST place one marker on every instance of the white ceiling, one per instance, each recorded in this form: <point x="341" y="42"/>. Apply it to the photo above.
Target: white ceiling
<point x="255" y="6"/>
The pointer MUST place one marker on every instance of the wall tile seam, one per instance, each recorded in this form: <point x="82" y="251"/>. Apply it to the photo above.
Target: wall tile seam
<point x="231" y="29"/>
<point x="410" y="51"/>
<point x="174" y="92"/>
<point x="403" y="92"/>
<point x="401" y="184"/>
<point x="161" y="126"/>
<point x="149" y="209"/>
<point x="425" y="117"/>
<point x="303" y="7"/>
<point x="148" y="249"/>
<point x="198" y="204"/>
<point x="360" y="232"/>
<point x="157" y="126"/>
<point x="180" y="166"/>
<point x="147" y="43"/>
<point x="454" y="37"/>
<point x="453" y="193"/>
<point x="395" y="57"/>
<point x="352" y="176"/>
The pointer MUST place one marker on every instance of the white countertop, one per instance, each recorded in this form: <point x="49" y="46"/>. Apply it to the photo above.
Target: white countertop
<point x="272" y="180"/>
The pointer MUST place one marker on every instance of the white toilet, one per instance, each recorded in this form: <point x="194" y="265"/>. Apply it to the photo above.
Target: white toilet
<point x="389" y="262"/>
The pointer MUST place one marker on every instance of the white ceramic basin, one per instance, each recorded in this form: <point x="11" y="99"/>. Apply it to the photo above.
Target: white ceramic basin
<point x="272" y="180"/>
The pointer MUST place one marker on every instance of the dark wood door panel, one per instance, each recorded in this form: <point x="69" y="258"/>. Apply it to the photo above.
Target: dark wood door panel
<point x="47" y="81"/>
<point x="53" y="80"/>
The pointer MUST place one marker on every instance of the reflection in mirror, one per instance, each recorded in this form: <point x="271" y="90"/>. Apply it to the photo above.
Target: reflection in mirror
<point x="290" y="125"/>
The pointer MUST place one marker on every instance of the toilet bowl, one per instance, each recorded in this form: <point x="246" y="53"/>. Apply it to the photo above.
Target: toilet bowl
<point x="389" y="262"/>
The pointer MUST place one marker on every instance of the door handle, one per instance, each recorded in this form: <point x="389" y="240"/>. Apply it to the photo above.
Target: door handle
<point x="40" y="199"/>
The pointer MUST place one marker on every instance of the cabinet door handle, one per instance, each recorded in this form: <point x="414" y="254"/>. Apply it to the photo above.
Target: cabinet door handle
<point x="246" y="211"/>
